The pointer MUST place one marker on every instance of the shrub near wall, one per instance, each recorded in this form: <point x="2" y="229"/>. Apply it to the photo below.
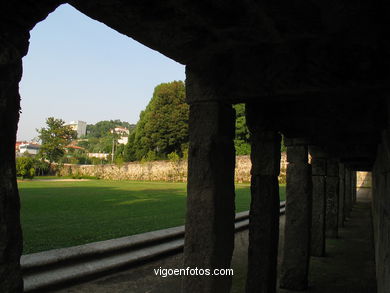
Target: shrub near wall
<point x="171" y="171"/>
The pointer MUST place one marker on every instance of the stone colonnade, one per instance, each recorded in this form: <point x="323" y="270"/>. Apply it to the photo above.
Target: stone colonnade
<point x="319" y="198"/>
<point x="209" y="239"/>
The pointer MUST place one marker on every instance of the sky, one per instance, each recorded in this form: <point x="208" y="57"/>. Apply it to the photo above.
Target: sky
<point x="80" y="69"/>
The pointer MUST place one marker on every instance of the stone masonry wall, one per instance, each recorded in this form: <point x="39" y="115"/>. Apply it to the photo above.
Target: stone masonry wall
<point x="364" y="179"/>
<point x="158" y="170"/>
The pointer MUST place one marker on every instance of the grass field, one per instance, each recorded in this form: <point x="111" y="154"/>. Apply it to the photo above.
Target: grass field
<point x="63" y="214"/>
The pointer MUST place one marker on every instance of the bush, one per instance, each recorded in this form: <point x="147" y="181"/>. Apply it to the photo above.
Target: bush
<point x="97" y="161"/>
<point x="242" y="147"/>
<point x="173" y="157"/>
<point x="41" y="167"/>
<point x="150" y="156"/>
<point x="25" y="167"/>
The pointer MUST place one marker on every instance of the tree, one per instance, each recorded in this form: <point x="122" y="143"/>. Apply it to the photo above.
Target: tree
<point x="54" y="138"/>
<point x="25" y="167"/>
<point x="103" y="128"/>
<point x="241" y="141"/>
<point x="163" y="125"/>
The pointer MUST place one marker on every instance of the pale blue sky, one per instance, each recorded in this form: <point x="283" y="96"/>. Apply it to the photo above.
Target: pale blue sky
<point x="80" y="69"/>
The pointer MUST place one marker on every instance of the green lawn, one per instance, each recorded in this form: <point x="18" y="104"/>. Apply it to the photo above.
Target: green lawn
<point x="63" y="214"/>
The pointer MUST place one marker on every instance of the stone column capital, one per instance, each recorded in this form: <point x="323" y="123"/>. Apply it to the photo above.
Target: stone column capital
<point x="317" y="152"/>
<point x="332" y="168"/>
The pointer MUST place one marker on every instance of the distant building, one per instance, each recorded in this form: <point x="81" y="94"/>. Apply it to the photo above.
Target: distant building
<point x="79" y="126"/>
<point x="123" y="140"/>
<point x="29" y="148"/>
<point x="102" y="156"/>
<point x="18" y="143"/>
<point x="123" y="132"/>
<point x="120" y="130"/>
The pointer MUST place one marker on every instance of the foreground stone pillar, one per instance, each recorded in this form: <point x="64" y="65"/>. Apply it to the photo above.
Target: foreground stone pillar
<point x="209" y="229"/>
<point x="10" y="229"/>
<point x="341" y="216"/>
<point x="348" y="193"/>
<point x="318" y="163"/>
<point x="295" y="263"/>
<point x="265" y="206"/>
<point x="332" y="198"/>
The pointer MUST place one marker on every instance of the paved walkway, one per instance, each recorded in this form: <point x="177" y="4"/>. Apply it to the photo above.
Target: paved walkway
<point x="348" y="267"/>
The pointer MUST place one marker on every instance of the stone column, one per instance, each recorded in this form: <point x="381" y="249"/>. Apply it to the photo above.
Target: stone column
<point x="318" y="163"/>
<point x="332" y="198"/>
<point x="296" y="251"/>
<point x="354" y="183"/>
<point x="341" y="217"/>
<point x="10" y="229"/>
<point x="209" y="228"/>
<point x="265" y="205"/>
<point x="348" y="195"/>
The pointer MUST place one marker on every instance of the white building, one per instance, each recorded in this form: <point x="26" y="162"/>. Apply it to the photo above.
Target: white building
<point x="103" y="156"/>
<point x="120" y="130"/>
<point x="123" y="132"/>
<point x="79" y="126"/>
<point x="123" y="140"/>
<point x="29" y="148"/>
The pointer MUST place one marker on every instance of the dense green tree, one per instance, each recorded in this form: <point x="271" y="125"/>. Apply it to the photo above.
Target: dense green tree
<point x="25" y="167"/>
<point x="103" y="128"/>
<point x="41" y="167"/>
<point x="129" y="151"/>
<point x="241" y="141"/>
<point x="54" y="138"/>
<point x="163" y="125"/>
<point x="100" y="138"/>
<point x="283" y="147"/>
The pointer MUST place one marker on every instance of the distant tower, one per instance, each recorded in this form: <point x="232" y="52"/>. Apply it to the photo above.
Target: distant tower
<point x="79" y="126"/>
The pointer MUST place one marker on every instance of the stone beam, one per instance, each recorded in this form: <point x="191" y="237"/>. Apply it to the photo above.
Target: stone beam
<point x="296" y="251"/>
<point x="318" y="163"/>
<point x="265" y="204"/>
<point x="332" y="198"/>
<point x="209" y="237"/>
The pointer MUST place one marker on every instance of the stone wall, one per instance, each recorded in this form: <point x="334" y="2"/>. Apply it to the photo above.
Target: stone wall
<point x="364" y="179"/>
<point x="157" y="170"/>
